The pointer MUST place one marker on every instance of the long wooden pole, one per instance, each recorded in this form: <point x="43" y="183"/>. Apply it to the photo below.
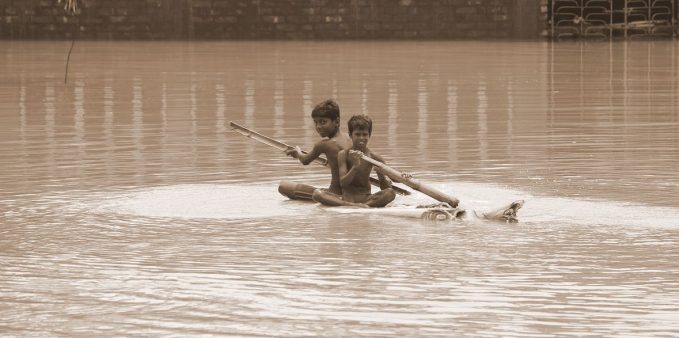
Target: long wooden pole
<point x="398" y="176"/>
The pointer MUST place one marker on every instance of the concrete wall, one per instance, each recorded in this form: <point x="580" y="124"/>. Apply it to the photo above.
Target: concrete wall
<point x="273" y="19"/>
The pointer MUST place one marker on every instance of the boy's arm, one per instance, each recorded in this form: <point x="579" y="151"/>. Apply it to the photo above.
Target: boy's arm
<point x="307" y="158"/>
<point x="346" y="175"/>
<point x="385" y="182"/>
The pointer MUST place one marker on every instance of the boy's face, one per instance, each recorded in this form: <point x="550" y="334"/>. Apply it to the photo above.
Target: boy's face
<point x="360" y="137"/>
<point x="326" y="127"/>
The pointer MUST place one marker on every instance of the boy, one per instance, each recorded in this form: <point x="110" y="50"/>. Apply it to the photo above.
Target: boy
<point x="354" y="172"/>
<point x="326" y="116"/>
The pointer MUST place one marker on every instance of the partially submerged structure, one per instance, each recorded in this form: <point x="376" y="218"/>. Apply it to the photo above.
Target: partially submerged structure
<point x="612" y="18"/>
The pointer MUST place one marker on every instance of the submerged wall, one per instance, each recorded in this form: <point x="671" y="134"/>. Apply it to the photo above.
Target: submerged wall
<point x="273" y="19"/>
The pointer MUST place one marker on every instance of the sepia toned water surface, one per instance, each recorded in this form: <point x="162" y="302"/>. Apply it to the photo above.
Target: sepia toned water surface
<point x="129" y="208"/>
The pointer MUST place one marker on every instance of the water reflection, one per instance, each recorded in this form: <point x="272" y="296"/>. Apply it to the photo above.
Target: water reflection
<point x="220" y="127"/>
<point x="279" y="109"/>
<point x="618" y="94"/>
<point x="335" y="88"/>
<point x="94" y="208"/>
<point x="470" y="117"/>
<point x="50" y="112"/>
<point x="22" y="113"/>
<point x="108" y="127"/>
<point x="164" y="123"/>
<point x="193" y="118"/>
<point x="250" y="107"/>
<point x="392" y="109"/>
<point x="422" y="118"/>
<point x="307" y="124"/>
<point x="79" y="122"/>
<point x="138" y="128"/>
<point x="482" y="112"/>
<point x="364" y="97"/>
<point x="451" y="129"/>
<point x="510" y="116"/>
<point x="22" y="124"/>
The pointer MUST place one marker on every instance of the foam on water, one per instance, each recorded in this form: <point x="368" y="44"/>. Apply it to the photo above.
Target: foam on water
<point x="222" y="201"/>
<point x="246" y="201"/>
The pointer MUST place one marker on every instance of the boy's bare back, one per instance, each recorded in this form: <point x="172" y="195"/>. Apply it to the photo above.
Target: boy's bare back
<point x="331" y="148"/>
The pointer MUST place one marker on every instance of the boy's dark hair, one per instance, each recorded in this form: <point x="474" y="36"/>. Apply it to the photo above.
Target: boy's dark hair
<point x="327" y="108"/>
<point x="360" y="121"/>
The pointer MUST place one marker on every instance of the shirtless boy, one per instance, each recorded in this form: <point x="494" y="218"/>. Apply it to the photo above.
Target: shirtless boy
<point x="326" y="116"/>
<point x="354" y="172"/>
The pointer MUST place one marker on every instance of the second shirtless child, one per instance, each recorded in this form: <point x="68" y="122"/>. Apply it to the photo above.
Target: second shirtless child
<point x="354" y="172"/>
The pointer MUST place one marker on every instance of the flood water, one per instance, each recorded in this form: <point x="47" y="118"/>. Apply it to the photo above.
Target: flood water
<point x="129" y="208"/>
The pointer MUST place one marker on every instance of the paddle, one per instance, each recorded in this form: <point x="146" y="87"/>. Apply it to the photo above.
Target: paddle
<point x="400" y="177"/>
<point x="283" y="147"/>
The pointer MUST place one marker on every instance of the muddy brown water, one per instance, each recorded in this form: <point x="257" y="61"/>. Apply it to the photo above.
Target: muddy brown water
<point x="129" y="208"/>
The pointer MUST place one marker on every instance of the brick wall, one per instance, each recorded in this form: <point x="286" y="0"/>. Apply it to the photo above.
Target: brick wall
<point x="271" y="19"/>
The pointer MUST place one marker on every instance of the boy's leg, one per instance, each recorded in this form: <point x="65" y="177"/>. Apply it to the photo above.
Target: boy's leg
<point x="381" y="198"/>
<point x="333" y="200"/>
<point x="296" y="191"/>
<point x="327" y="198"/>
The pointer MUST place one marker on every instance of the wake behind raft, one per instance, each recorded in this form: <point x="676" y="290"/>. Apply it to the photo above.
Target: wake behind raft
<point x="446" y="209"/>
